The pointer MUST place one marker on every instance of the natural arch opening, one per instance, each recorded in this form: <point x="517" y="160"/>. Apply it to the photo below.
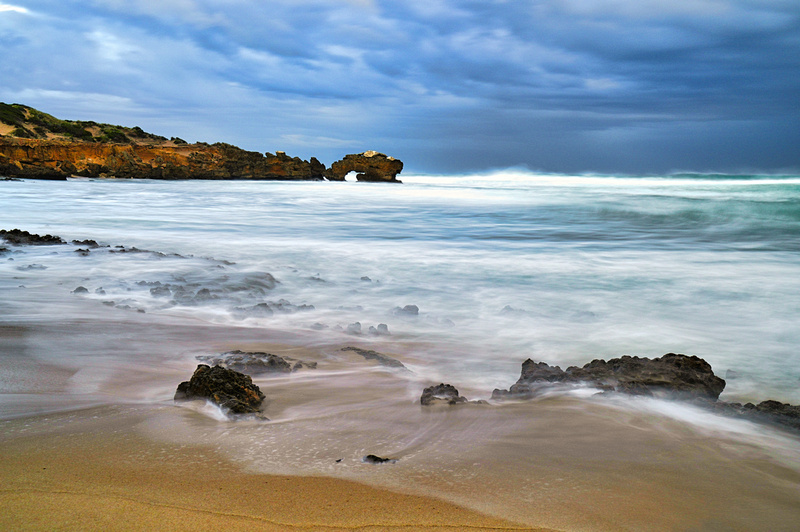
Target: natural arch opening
<point x="351" y="176"/>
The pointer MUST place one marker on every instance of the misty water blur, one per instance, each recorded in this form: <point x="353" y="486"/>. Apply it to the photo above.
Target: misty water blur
<point x="502" y="267"/>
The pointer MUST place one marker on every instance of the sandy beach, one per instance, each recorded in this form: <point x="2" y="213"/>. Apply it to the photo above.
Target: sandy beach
<point x="102" y="475"/>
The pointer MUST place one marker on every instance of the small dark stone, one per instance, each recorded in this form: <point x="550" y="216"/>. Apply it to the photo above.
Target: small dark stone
<point x="82" y="252"/>
<point x="354" y="328"/>
<point x="81" y="290"/>
<point x="374" y="459"/>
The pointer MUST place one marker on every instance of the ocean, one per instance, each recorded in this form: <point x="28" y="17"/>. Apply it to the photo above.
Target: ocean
<point x="471" y="275"/>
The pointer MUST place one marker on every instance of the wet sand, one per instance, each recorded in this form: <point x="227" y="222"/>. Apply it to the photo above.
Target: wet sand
<point x="83" y="478"/>
<point x="92" y="439"/>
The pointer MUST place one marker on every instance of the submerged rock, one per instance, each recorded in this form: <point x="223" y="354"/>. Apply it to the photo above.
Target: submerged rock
<point x="81" y="290"/>
<point x="382" y="359"/>
<point x="381" y="330"/>
<point x="374" y="459"/>
<point x="256" y="362"/>
<point x="672" y="375"/>
<point x="441" y="393"/>
<point x="229" y="389"/>
<point x="24" y="238"/>
<point x="408" y="310"/>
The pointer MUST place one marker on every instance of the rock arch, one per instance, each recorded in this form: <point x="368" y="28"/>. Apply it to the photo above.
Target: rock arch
<point x="370" y="166"/>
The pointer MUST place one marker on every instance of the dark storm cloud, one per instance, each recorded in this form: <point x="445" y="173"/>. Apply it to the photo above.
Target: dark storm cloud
<point x="557" y="85"/>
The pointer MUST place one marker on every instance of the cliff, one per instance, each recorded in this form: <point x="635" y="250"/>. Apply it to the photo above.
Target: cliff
<point x="39" y="146"/>
<point x="59" y="159"/>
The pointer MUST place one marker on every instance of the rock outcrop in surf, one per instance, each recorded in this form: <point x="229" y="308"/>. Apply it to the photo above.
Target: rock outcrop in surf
<point x="672" y="375"/>
<point x="369" y="166"/>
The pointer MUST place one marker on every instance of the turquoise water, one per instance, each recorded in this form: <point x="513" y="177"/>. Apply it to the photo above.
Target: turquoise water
<point x="503" y="267"/>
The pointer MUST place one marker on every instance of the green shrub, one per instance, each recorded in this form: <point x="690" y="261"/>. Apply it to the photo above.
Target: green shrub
<point x="13" y="115"/>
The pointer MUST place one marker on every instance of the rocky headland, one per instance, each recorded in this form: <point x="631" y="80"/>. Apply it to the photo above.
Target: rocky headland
<point x="35" y="145"/>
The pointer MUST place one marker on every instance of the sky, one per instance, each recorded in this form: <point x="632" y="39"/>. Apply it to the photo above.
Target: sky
<point x="447" y="86"/>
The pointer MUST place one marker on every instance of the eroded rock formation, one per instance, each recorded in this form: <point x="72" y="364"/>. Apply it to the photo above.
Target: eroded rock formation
<point x="369" y="166"/>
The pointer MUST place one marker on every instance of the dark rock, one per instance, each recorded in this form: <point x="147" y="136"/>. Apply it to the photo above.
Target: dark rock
<point x="441" y="393"/>
<point x="731" y="375"/>
<point x="374" y="459"/>
<point x="772" y="412"/>
<point x="370" y="165"/>
<point x="24" y="238"/>
<point x="382" y="359"/>
<point x="88" y="243"/>
<point x="100" y="291"/>
<point x="82" y="252"/>
<point x="229" y="389"/>
<point x="672" y="375"/>
<point x="365" y="278"/>
<point x="408" y="310"/>
<point x="354" y="328"/>
<point x="81" y="290"/>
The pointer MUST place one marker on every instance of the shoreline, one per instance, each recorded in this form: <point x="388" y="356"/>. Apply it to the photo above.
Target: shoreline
<point x="114" y="478"/>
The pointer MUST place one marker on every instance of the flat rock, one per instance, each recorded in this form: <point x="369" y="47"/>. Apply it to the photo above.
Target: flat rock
<point x="382" y="359"/>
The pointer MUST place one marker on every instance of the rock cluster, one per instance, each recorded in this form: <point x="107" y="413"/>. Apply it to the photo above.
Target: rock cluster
<point x="229" y="389"/>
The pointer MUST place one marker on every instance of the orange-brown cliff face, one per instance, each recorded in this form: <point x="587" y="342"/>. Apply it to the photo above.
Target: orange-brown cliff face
<point x="59" y="159"/>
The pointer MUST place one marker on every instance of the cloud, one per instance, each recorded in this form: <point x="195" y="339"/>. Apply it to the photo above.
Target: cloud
<point x="447" y="85"/>
<point x="16" y="9"/>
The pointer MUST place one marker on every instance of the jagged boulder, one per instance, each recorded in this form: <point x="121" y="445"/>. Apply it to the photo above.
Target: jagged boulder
<point x="370" y="166"/>
<point x="229" y="389"/>
<point x="672" y="375"/>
